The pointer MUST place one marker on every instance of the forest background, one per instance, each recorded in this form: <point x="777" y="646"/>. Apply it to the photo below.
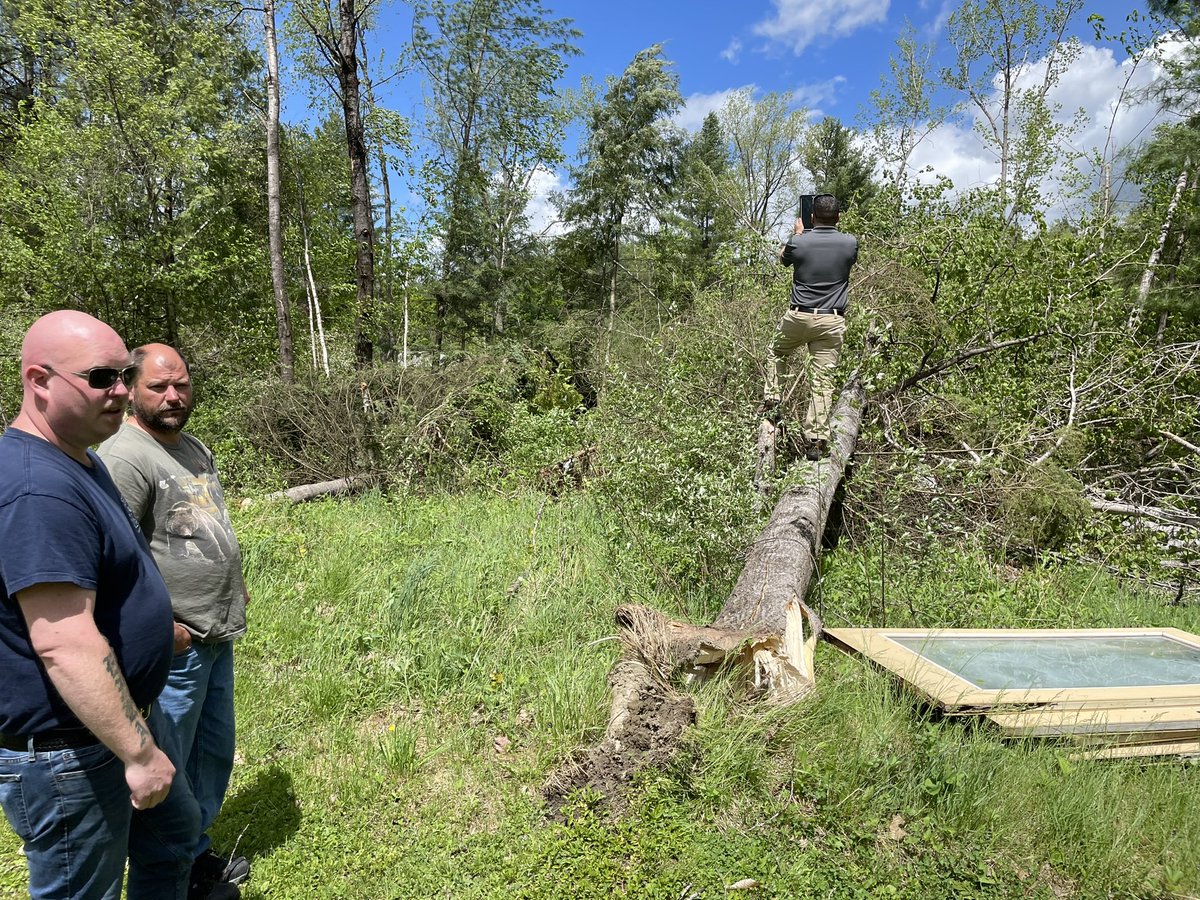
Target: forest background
<point x="1028" y="456"/>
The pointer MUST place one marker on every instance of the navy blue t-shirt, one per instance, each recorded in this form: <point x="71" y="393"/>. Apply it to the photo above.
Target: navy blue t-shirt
<point x="61" y="521"/>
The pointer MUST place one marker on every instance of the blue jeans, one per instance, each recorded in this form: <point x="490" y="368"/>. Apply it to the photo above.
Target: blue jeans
<point x="72" y="810"/>
<point x="198" y="699"/>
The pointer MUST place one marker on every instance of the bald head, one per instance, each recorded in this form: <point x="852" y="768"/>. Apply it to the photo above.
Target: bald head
<point x="69" y="339"/>
<point x="57" y="401"/>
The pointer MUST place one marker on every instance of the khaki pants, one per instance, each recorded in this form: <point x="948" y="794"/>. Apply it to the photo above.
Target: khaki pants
<point x="822" y="335"/>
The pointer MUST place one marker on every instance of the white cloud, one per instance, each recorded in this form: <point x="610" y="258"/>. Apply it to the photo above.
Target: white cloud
<point x="733" y="52"/>
<point x="935" y="25"/>
<point x="697" y="106"/>
<point x="797" y="23"/>
<point x="811" y="96"/>
<point x="1116" y="115"/>
<point x="542" y="214"/>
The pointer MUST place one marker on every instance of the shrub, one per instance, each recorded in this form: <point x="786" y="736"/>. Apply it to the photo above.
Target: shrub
<point x="1043" y="509"/>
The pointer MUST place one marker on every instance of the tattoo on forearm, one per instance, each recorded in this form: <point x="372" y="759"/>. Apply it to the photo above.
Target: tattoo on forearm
<point x="127" y="705"/>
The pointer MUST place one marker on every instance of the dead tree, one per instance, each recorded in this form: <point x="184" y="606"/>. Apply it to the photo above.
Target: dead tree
<point x="760" y="629"/>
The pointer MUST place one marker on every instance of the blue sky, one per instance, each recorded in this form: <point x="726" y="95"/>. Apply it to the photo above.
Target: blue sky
<point x="828" y="55"/>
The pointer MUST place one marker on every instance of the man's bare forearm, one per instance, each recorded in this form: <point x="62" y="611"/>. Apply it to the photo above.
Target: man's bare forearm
<point x="132" y="716"/>
<point x="83" y="667"/>
<point x="91" y="683"/>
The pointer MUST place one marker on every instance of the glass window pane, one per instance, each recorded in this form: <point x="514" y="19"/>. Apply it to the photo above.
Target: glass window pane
<point x="1023" y="662"/>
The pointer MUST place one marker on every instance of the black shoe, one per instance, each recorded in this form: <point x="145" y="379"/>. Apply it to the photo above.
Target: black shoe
<point x="210" y="872"/>
<point x="223" y="890"/>
<point x="812" y="450"/>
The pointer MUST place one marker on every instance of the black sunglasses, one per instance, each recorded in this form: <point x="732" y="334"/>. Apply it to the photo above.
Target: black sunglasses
<point x="101" y="378"/>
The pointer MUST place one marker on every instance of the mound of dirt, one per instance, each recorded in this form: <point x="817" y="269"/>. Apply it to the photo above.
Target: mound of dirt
<point x="644" y="732"/>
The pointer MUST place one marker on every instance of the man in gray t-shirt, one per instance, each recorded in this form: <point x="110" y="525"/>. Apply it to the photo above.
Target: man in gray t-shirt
<point x="170" y="483"/>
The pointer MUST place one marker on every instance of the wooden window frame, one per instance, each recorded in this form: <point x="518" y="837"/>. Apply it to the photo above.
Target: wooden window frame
<point x="955" y="693"/>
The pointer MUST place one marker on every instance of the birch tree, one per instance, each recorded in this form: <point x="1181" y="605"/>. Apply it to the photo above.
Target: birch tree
<point x="1008" y="55"/>
<point x="766" y="138"/>
<point x="283" y="316"/>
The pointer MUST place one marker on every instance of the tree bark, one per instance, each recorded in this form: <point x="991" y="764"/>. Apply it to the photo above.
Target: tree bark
<point x="304" y="492"/>
<point x="760" y="628"/>
<point x="283" y="316"/>
<point x="360" y="191"/>
<point x="782" y="559"/>
<point x="1151" y="264"/>
<point x="385" y="183"/>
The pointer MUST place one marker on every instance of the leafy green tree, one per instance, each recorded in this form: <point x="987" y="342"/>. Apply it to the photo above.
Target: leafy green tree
<point x="494" y="120"/>
<point x="630" y="159"/>
<point x="905" y="109"/>
<point x="704" y="166"/>
<point x="837" y="164"/>
<point x="129" y="185"/>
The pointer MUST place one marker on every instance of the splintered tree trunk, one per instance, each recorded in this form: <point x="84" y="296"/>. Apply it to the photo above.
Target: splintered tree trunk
<point x="760" y="627"/>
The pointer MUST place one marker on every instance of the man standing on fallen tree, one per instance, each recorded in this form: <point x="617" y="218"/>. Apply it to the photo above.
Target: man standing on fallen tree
<point x="821" y="259"/>
<point x="170" y="482"/>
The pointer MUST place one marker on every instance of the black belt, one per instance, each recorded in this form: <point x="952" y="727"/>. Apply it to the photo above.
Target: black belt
<point x="50" y="739"/>
<point x="55" y="738"/>
<point x="820" y="312"/>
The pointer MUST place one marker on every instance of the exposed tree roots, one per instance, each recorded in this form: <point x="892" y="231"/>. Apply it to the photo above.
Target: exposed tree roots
<point x="759" y="631"/>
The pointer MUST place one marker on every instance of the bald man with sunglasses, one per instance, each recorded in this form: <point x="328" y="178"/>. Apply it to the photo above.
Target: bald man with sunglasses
<point x="85" y="638"/>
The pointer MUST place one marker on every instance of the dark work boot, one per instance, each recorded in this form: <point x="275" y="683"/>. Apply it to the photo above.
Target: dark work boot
<point x="213" y="875"/>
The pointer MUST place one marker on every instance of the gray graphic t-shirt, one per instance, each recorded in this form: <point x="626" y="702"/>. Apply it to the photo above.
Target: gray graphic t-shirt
<point x="174" y="492"/>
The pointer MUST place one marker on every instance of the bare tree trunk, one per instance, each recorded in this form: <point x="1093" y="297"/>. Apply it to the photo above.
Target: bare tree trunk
<point x="360" y="191"/>
<point x="389" y="257"/>
<point x="404" y="362"/>
<point x="1156" y="254"/>
<point x="314" y="302"/>
<point x="283" y="315"/>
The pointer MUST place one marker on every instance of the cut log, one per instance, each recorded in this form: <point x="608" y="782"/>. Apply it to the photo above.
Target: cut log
<point x="304" y="492"/>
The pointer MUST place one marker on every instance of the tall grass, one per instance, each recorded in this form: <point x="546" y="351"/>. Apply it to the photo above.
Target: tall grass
<point x="415" y="667"/>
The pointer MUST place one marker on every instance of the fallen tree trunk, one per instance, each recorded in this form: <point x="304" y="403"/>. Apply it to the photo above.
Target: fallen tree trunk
<point x="304" y="492"/>
<point x="760" y="628"/>
<point x="782" y="558"/>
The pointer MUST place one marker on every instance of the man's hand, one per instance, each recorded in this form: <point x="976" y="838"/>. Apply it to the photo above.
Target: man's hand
<point x="150" y="781"/>
<point x="183" y="639"/>
<point x="798" y="227"/>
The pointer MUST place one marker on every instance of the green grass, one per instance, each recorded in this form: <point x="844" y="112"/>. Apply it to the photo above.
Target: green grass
<point x="393" y="641"/>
